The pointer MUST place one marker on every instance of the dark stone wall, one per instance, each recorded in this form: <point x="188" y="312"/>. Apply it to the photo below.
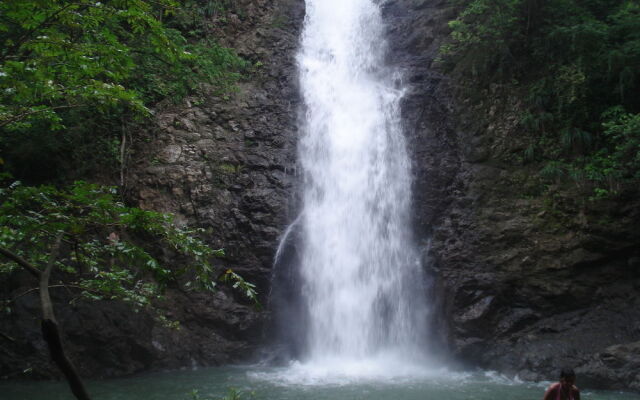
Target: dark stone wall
<point x="527" y="279"/>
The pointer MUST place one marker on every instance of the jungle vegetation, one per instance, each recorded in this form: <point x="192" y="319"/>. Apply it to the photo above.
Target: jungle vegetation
<point x="78" y="78"/>
<point x="577" y="64"/>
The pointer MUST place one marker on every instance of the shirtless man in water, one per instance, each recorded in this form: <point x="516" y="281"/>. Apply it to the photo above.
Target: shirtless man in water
<point x="565" y="389"/>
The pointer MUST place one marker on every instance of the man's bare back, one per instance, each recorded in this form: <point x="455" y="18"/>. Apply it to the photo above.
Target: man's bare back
<point x="565" y="389"/>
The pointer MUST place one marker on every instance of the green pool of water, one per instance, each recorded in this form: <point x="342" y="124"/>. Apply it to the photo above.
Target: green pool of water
<point x="298" y="384"/>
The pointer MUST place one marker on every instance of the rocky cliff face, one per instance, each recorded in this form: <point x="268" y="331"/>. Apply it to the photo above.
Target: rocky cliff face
<point x="226" y="164"/>
<point x="527" y="278"/>
<point x="220" y="163"/>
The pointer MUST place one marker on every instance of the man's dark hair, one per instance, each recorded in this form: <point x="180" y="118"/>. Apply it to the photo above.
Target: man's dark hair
<point x="567" y="373"/>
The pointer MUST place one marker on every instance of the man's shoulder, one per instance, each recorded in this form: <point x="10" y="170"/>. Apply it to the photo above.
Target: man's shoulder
<point x="554" y="386"/>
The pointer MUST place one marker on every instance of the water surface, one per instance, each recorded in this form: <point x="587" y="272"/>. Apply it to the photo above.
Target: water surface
<point x="297" y="383"/>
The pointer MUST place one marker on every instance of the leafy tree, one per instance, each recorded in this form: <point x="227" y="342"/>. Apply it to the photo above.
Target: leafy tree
<point x="95" y="244"/>
<point x="66" y="54"/>
<point x="78" y="73"/>
<point x="75" y="75"/>
<point x="79" y="53"/>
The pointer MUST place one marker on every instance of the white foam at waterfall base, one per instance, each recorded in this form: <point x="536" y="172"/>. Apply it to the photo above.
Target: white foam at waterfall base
<point x="384" y="370"/>
<point x="339" y="371"/>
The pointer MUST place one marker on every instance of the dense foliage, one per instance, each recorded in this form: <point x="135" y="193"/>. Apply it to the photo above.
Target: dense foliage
<point x="78" y="79"/>
<point x="578" y="63"/>
<point x="109" y="251"/>
<point x="75" y="74"/>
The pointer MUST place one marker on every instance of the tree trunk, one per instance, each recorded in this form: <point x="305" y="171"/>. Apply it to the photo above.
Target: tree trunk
<point x="51" y="335"/>
<point x="50" y="331"/>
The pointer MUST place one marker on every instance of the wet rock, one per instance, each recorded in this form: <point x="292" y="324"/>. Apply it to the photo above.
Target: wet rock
<point x="170" y="154"/>
<point x="616" y="367"/>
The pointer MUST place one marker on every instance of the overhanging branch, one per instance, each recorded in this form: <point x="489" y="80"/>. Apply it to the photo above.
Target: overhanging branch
<point x="21" y="262"/>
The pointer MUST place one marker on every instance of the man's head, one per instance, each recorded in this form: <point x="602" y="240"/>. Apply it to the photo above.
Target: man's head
<point x="567" y="376"/>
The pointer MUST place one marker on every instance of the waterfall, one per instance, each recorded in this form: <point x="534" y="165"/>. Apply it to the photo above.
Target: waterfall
<point x="362" y="282"/>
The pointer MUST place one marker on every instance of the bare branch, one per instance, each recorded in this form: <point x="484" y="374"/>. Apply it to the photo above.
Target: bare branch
<point x="52" y="287"/>
<point x="123" y="148"/>
<point x="21" y="261"/>
<point x="9" y="338"/>
<point x="26" y="114"/>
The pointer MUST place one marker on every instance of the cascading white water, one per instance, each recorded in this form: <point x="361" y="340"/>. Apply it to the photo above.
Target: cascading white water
<point x="363" y="284"/>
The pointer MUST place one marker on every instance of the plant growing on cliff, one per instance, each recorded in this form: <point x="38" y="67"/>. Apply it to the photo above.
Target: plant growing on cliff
<point x="95" y="245"/>
<point x="579" y="65"/>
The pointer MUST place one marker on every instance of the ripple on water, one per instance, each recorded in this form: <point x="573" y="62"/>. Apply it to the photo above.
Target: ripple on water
<point x="298" y="382"/>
